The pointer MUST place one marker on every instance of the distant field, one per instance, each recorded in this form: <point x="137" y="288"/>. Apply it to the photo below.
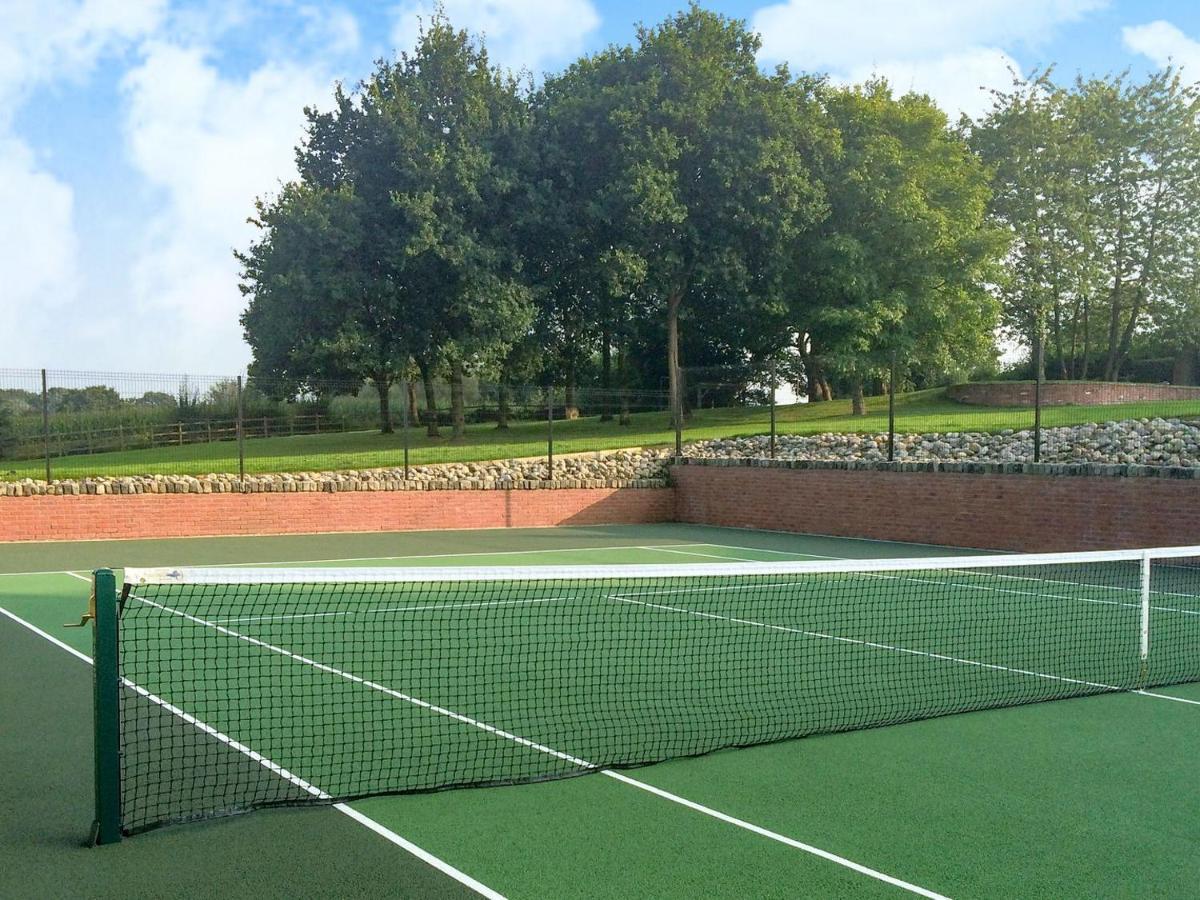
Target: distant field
<point x="926" y="411"/>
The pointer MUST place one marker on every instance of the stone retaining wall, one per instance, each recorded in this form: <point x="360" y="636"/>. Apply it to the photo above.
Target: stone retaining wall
<point x="1009" y="506"/>
<point x="1068" y="393"/>
<point x="1021" y="507"/>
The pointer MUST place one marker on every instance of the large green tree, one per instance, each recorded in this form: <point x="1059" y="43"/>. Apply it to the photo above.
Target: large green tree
<point x="467" y="151"/>
<point x="1099" y="185"/>
<point x="900" y="267"/>
<point x="699" y="167"/>
<point x="325" y="300"/>
<point x="397" y="243"/>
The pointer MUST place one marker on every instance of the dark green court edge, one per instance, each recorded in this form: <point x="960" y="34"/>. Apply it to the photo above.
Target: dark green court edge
<point x="105" y="689"/>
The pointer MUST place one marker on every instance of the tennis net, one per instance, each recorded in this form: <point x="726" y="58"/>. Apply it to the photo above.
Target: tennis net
<point x="245" y="688"/>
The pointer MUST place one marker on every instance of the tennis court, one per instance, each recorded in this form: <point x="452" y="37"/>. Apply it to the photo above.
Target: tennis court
<point x="353" y="681"/>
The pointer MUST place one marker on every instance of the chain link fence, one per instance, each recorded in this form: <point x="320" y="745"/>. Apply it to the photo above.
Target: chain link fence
<point x="758" y="415"/>
<point x="58" y="425"/>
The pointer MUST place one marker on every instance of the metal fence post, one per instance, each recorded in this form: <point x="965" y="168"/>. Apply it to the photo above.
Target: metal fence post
<point x="550" y="432"/>
<point x="46" y="424"/>
<point x="774" y="388"/>
<point x="106" y="709"/>
<point x="241" y="438"/>
<point x="404" y="422"/>
<point x="1037" y="413"/>
<point x="892" y="411"/>
<point x="677" y="412"/>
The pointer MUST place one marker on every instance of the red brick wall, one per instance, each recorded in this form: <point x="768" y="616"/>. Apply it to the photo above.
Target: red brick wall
<point x="998" y="511"/>
<point x="60" y="518"/>
<point x="1063" y="393"/>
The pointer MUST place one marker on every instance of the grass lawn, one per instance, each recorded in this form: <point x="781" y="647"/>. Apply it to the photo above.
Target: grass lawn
<point x="924" y="411"/>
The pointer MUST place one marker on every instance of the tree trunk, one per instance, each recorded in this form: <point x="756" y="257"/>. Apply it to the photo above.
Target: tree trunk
<point x="1114" y="331"/>
<point x="606" y="374"/>
<point x="676" y="387"/>
<point x="458" y="415"/>
<point x="1085" y="358"/>
<point x="1039" y="356"/>
<point x="383" y="384"/>
<point x="1074" y="363"/>
<point x="858" y="406"/>
<point x="412" y="400"/>
<point x="826" y="389"/>
<point x="813" y="381"/>
<point x="1038" y="350"/>
<point x="431" y="410"/>
<point x="1058" y="343"/>
<point x="569" y="399"/>
<point x="1114" y="302"/>
<point x="502" y="406"/>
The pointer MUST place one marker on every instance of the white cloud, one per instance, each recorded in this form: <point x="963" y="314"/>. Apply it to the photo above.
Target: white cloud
<point x="957" y="81"/>
<point x="210" y="144"/>
<point x="529" y="34"/>
<point x="37" y="240"/>
<point x="815" y="34"/>
<point x="44" y="40"/>
<point x="1164" y="45"/>
<point x="334" y="29"/>
<point x="946" y="50"/>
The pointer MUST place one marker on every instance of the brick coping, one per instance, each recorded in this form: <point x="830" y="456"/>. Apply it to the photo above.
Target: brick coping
<point x="130" y="487"/>
<point x="961" y="466"/>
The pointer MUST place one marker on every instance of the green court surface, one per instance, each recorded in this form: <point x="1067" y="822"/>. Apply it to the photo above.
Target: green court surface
<point x="1087" y="797"/>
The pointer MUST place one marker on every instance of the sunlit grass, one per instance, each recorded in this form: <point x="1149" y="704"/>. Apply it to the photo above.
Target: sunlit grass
<point x="922" y="412"/>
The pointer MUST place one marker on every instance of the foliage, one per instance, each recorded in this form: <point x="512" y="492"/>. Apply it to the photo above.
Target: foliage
<point x="397" y="241"/>
<point x="899" y="266"/>
<point x="670" y="202"/>
<point x="690" y="170"/>
<point x="1098" y="183"/>
<point x="8" y="437"/>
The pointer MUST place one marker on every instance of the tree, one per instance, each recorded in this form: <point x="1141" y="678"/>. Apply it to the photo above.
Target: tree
<point x="700" y="167"/>
<point x="326" y="300"/>
<point x="8" y="436"/>
<point x="582" y="272"/>
<point x="899" y="268"/>
<point x="88" y="399"/>
<point x="396" y="243"/>
<point x="1099" y="185"/>
<point x="464" y="151"/>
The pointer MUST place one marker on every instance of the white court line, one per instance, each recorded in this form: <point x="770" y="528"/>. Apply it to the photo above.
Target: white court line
<point x="690" y="553"/>
<point x="997" y="574"/>
<point x="875" y="645"/>
<point x="558" y="754"/>
<point x="346" y="559"/>
<point x="377" y="827"/>
<point x="773" y="835"/>
<point x="387" y="609"/>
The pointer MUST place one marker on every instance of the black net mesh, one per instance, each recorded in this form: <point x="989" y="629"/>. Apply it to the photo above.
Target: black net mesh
<point x="272" y="687"/>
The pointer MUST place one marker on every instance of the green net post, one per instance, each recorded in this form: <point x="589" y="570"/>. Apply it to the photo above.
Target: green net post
<point x="106" y="710"/>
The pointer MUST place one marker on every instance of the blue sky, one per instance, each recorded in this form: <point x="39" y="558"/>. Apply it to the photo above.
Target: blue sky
<point x="135" y="134"/>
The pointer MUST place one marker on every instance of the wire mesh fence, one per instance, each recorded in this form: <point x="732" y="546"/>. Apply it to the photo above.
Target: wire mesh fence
<point x="57" y="425"/>
<point x="758" y="415"/>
